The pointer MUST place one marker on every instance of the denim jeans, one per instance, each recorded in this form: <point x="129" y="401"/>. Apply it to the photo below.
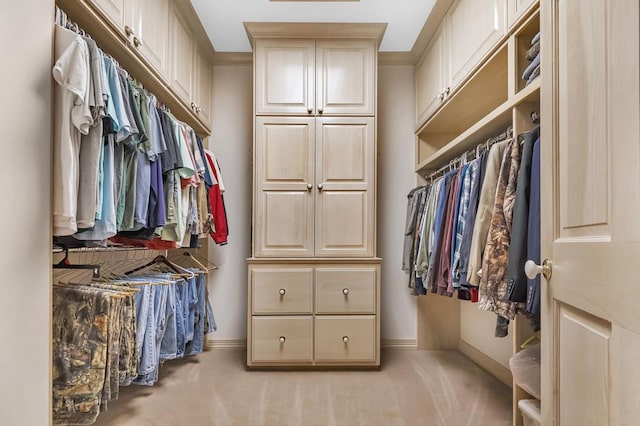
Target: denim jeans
<point x="169" y="344"/>
<point x="197" y="344"/>
<point x="156" y="327"/>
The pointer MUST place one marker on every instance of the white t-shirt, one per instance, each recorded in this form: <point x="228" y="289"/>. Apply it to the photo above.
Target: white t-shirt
<point x="72" y="117"/>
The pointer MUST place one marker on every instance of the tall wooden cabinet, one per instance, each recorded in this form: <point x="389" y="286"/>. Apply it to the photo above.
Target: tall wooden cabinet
<point x="314" y="277"/>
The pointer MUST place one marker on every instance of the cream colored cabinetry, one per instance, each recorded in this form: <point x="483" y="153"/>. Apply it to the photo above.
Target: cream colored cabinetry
<point x="473" y="27"/>
<point x="302" y="77"/>
<point x="467" y="33"/>
<point x="431" y="77"/>
<point x="314" y="240"/>
<point x="313" y="314"/>
<point x="516" y="8"/>
<point x="159" y="41"/>
<point x="190" y="71"/>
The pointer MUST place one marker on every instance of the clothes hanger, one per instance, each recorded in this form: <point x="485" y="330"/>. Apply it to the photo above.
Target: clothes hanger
<point x="198" y="261"/>
<point x="182" y="272"/>
<point x="65" y="264"/>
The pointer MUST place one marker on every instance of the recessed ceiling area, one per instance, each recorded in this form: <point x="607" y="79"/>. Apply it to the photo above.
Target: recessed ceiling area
<point x="223" y="19"/>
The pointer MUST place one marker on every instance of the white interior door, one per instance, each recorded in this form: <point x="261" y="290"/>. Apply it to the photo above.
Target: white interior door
<point x="591" y="212"/>
<point x="283" y="209"/>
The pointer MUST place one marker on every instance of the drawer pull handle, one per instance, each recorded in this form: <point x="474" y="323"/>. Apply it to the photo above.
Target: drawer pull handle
<point x="345" y="339"/>
<point x="345" y="291"/>
<point x="282" y="292"/>
<point x="282" y="339"/>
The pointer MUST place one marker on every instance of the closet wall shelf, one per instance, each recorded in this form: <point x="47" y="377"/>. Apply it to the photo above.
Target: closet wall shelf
<point x="490" y="125"/>
<point x="111" y="42"/>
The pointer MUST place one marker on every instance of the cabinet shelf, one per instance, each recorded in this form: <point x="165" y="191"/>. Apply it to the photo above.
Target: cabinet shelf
<point x="490" y="125"/>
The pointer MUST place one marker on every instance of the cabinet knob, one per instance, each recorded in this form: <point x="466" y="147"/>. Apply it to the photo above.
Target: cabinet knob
<point x="282" y="339"/>
<point x="193" y="106"/>
<point x="282" y="292"/>
<point x="441" y="96"/>
<point x="136" y="41"/>
<point x="345" y="291"/>
<point x="320" y="186"/>
<point x="128" y="31"/>
<point x="198" y="109"/>
<point x="448" y="90"/>
<point x="309" y="187"/>
<point x="320" y="111"/>
<point x="310" y="110"/>
<point x="345" y="339"/>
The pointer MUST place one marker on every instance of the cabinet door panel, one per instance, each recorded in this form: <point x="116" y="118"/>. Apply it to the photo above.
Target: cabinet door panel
<point x="284" y="77"/>
<point x="182" y="56"/>
<point x="284" y="203"/>
<point x="346" y="290"/>
<point x="345" y="338"/>
<point x="474" y="26"/>
<point x="515" y="9"/>
<point x="151" y="26"/>
<point x="345" y="79"/>
<point x="430" y="78"/>
<point x="114" y="10"/>
<point x="203" y="88"/>
<point x="281" y="290"/>
<point x="345" y="160"/>
<point x="282" y="339"/>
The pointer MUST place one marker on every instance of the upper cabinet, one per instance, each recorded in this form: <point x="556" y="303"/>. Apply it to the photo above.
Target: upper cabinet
<point x="473" y="27"/>
<point x="285" y="77"/>
<point x="150" y="32"/>
<point x="182" y="56"/>
<point x="516" y="8"/>
<point x="431" y="78"/>
<point x="203" y="90"/>
<point x="302" y="77"/>
<point x="467" y="33"/>
<point x="114" y="11"/>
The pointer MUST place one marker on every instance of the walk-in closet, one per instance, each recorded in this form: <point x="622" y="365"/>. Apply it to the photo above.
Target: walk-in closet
<point x="320" y="212"/>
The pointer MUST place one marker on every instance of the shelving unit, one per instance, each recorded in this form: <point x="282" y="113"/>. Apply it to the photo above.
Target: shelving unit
<point x="493" y="97"/>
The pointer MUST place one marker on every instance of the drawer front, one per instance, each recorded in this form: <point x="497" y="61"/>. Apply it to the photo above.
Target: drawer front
<point x="346" y="338"/>
<point x="281" y="290"/>
<point x="346" y="290"/>
<point x="275" y="339"/>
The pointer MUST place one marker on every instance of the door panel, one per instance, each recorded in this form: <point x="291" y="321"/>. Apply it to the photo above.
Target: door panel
<point x="345" y="78"/>
<point x="203" y="88"/>
<point x="115" y="11"/>
<point x="474" y="26"/>
<point x="515" y="9"/>
<point x="281" y="290"/>
<point x="182" y="59"/>
<point x="345" y="338"/>
<point x="590" y="175"/>
<point x="584" y="363"/>
<point x="151" y="26"/>
<point x="285" y="76"/>
<point x="345" y="160"/>
<point x="430" y="77"/>
<point x="282" y="339"/>
<point x="284" y="202"/>
<point x="347" y="290"/>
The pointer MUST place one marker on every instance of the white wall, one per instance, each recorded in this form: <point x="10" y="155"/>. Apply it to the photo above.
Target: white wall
<point x="396" y="117"/>
<point x="232" y="141"/>
<point x="25" y="216"/>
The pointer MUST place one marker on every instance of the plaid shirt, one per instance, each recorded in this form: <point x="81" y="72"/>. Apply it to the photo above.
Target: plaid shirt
<point x="463" y="208"/>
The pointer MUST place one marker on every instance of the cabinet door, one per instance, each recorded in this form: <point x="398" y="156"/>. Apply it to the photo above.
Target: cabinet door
<point x="114" y="11"/>
<point x="345" y="201"/>
<point x="279" y="339"/>
<point x="473" y="27"/>
<point x="345" y="339"/>
<point x="283" y="214"/>
<point x="284" y="77"/>
<point x="182" y="49"/>
<point x="203" y="88"/>
<point x="515" y="9"/>
<point x="150" y="25"/>
<point x="430" y="77"/>
<point x="345" y="79"/>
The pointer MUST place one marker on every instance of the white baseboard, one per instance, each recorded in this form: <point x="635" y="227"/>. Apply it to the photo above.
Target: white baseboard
<point x="226" y="344"/>
<point x="410" y="344"/>
<point x="494" y="368"/>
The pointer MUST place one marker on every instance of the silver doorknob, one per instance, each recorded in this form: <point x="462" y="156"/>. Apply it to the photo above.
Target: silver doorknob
<point x="309" y="187"/>
<point x="282" y="339"/>
<point x="441" y="96"/>
<point x="345" y="339"/>
<point x="282" y="292"/>
<point x="345" y="291"/>
<point x="320" y="186"/>
<point x="128" y="30"/>
<point x="532" y="269"/>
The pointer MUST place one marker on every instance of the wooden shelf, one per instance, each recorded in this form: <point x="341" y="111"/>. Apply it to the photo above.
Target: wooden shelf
<point x="490" y="125"/>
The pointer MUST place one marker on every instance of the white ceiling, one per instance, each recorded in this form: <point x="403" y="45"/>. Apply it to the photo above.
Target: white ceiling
<point x="222" y="19"/>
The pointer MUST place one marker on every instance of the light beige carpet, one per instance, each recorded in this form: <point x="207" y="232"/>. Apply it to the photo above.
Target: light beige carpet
<point x="438" y="388"/>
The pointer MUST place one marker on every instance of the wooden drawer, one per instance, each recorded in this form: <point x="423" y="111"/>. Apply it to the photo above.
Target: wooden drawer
<point x="281" y="290"/>
<point x="276" y="339"/>
<point x="345" y="338"/>
<point x="346" y="290"/>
